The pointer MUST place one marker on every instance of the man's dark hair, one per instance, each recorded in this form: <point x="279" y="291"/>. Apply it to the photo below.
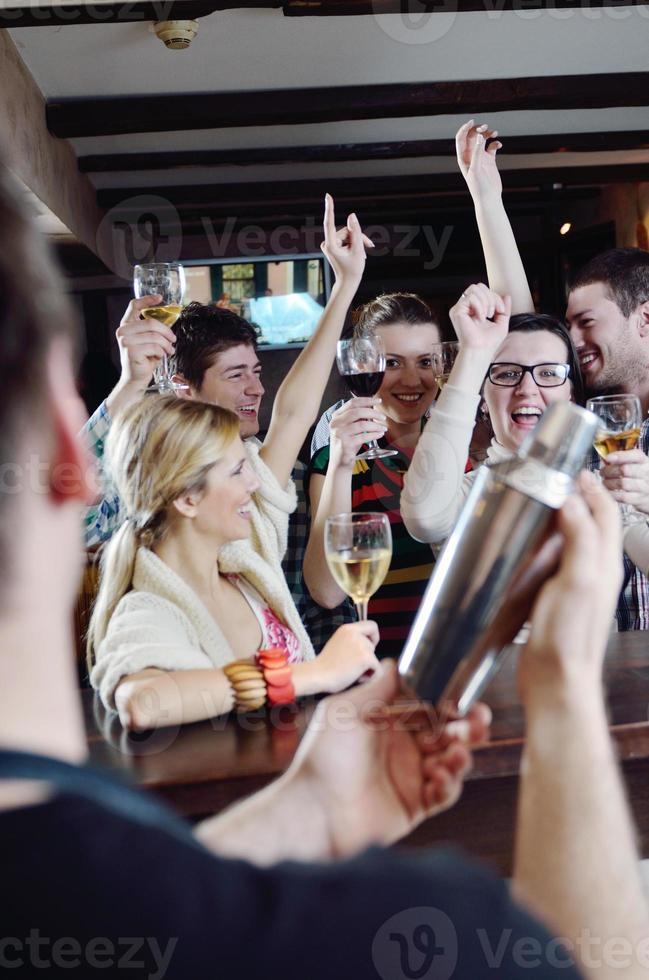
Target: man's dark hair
<point x="34" y="311"/>
<point x="533" y="322"/>
<point x="623" y="271"/>
<point x="203" y="332"/>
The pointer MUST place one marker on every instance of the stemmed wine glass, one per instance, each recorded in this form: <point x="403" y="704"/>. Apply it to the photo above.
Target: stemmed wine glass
<point x="167" y="280"/>
<point x="620" y="422"/>
<point x="444" y="355"/>
<point x="361" y="362"/>
<point x="358" y="547"/>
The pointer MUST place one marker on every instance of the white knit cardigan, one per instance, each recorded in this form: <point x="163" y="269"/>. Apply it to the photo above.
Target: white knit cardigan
<point x="162" y="623"/>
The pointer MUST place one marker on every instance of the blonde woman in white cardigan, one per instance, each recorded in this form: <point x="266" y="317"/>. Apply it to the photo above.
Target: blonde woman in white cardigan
<point x="170" y="615"/>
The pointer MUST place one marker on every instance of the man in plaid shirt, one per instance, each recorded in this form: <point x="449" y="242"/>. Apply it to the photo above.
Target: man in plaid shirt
<point x="233" y="381"/>
<point x="608" y="316"/>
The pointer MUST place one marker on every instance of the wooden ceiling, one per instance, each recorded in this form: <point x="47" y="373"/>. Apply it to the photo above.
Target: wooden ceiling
<point x="565" y="85"/>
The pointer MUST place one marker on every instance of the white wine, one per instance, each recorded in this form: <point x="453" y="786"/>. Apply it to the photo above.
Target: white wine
<point x="441" y="379"/>
<point x="607" y="442"/>
<point x="359" y="571"/>
<point x="165" y="314"/>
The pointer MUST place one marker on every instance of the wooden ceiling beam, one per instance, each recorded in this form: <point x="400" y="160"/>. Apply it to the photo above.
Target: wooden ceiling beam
<point x="358" y="190"/>
<point x="208" y="110"/>
<point x="14" y="14"/>
<point x="351" y="152"/>
<point x="358" y="8"/>
<point x="18" y="13"/>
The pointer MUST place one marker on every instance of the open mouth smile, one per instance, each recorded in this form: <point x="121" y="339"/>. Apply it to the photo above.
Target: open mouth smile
<point x="587" y="359"/>
<point x="526" y="416"/>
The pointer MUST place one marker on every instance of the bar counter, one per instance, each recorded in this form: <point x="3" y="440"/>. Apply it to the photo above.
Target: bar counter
<point x="201" y="768"/>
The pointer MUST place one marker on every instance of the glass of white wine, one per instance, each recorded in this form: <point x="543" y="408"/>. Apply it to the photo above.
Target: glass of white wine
<point x="620" y="422"/>
<point x="359" y="551"/>
<point x="167" y="280"/>
<point x="444" y="355"/>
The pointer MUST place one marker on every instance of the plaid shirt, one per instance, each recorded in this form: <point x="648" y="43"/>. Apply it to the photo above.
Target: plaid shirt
<point x="321" y="432"/>
<point x="633" y="605"/>
<point x="104" y="518"/>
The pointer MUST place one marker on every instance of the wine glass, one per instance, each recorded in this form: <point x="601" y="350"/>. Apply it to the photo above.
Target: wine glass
<point x="620" y="422"/>
<point x="359" y="551"/>
<point x="361" y="362"/>
<point x="444" y="355"/>
<point x="167" y="280"/>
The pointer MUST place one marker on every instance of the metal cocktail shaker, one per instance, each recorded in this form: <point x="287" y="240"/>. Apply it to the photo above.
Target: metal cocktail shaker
<point x="501" y="550"/>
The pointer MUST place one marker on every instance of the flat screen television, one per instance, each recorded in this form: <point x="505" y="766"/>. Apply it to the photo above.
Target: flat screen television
<point x="282" y="296"/>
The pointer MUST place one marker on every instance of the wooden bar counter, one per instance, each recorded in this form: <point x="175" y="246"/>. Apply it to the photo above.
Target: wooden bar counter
<point x="201" y="768"/>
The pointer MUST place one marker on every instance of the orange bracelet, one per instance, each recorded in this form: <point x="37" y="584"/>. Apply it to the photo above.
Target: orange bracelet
<point x="247" y="683"/>
<point x="277" y="675"/>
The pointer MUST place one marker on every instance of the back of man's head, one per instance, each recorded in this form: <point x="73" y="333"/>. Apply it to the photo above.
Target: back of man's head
<point x="624" y="272"/>
<point x="203" y="332"/>
<point x="33" y="312"/>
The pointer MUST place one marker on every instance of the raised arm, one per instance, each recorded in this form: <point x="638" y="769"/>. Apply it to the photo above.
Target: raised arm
<point x="434" y="486"/>
<point x="576" y="862"/>
<point x="299" y="397"/>
<point x="477" y="162"/>
<point x="142" y="344"/>
<point x="359" y="420"/>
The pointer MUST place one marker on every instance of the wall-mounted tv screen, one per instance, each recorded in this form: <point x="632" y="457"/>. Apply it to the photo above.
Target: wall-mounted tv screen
<point x="282" y="296"/>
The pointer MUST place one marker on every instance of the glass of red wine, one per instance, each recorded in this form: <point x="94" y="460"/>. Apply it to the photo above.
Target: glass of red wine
<point x="361" y="362"/>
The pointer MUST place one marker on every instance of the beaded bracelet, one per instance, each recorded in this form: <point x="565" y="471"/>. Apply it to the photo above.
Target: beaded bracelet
<point x="277" y="675"/>
<point x="247" y="683"/>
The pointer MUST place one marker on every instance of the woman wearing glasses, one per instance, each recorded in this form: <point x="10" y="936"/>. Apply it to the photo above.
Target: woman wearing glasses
<point x="510" y="370"/>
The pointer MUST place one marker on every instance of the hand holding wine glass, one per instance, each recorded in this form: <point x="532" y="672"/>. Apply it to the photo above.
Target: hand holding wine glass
<point x="361" y="362"/>
<point x="620" y="423"/>
<point x="358" y="547"/>
<point x="166" y="280"/>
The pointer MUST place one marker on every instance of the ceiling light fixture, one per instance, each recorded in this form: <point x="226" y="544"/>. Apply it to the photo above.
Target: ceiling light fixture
<point x="176" y="34"/>
<point x="565" y="228"/>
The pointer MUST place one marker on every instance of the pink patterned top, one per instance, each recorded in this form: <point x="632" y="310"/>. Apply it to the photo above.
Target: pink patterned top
<point x="274" y="633"/>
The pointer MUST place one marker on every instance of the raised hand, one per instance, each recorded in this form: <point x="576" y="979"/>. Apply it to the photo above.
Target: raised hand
<point x="481" y="318"/>
<point x="626" y="475"/>
<point x="142" y="343"/>
<point x="358" y="421"/>
<point x="477" y="161"/>
<point x="345" y="248"/>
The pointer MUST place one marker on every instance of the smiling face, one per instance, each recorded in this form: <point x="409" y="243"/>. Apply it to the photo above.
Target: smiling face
<point x="611" y="353"/>
<point x="222" y="511"/>
<point x="233" y="381"/>
<point x="409" y="386"/>
<point x="515" y="411"/>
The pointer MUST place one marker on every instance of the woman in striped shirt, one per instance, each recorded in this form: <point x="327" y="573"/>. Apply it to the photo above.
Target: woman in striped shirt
<point x="339" y="483"/>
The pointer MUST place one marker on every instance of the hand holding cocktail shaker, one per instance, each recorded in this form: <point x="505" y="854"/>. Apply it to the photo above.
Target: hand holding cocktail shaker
<point x="499" y="554"/>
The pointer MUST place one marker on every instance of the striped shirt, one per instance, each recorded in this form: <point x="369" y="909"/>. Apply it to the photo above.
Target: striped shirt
<point x="376" y="486"/>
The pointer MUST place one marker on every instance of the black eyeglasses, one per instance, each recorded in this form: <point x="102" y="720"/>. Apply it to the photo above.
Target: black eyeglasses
<point x="545" y="375"/>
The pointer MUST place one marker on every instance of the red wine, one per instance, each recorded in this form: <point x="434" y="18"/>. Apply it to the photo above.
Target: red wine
<point x="364" y="385"/>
